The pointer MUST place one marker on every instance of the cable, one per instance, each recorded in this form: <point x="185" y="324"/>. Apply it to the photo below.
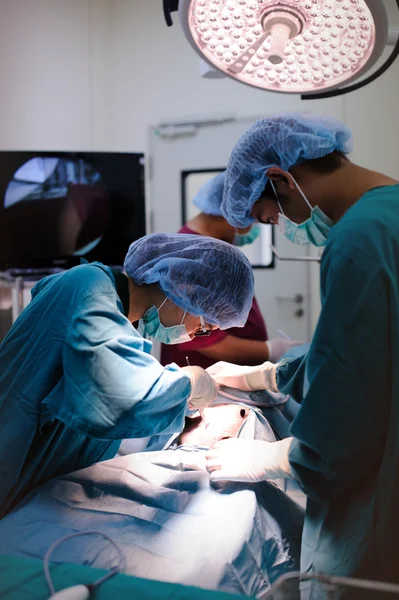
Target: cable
<point x="91" y="586"/>
<point x="357" y="86"/>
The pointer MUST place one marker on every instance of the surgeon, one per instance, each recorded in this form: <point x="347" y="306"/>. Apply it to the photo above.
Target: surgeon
<point x="293" y="170"/>
<point x="76" y="377"/>
<point x="241" y="345"/>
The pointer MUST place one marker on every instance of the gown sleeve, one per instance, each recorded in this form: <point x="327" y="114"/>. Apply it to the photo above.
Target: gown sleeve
<point x="112" y="388"/>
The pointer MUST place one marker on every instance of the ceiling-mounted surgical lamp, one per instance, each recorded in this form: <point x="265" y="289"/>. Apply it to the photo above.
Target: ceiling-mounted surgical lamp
<point x="311" y="47"/>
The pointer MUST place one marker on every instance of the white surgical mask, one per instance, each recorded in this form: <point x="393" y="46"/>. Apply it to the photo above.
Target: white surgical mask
<point x="150" y="327"/>
<point x="314" y="230"/>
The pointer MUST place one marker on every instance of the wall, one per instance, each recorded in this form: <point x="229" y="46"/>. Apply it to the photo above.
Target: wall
<point x="44" y="72"/>
<point x="95" y="74"/>
<point x="54" y="68"/>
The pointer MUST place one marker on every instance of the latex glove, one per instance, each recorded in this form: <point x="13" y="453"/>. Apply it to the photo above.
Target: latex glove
<point x="248" y="379"/>
<point x="249" y="460"/>
<point x="203" y="388"/>
<point x="278" y="347"/>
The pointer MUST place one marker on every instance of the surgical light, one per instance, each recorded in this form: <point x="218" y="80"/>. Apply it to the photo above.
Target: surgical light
<point x="291" y="46"/>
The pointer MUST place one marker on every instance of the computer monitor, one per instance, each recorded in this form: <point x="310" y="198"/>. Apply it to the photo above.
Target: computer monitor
<point x="59" y="207"/>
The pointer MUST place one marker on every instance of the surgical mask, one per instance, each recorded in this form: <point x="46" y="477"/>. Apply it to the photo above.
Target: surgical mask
<point x="150" y="327"/>
<point x="241" y="239"/>
<point x="314" y="230"/>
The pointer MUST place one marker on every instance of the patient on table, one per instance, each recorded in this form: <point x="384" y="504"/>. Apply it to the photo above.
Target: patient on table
<point x="221" y="422"/>
<point x="161" y="509"/>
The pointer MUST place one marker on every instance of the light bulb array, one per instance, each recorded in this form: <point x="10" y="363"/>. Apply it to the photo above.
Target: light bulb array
<point x="285" y="45"/>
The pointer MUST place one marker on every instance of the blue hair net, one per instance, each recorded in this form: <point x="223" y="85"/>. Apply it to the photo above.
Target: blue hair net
<point x="201" y="275"/>
<point x="209" y="198"/>
<point x="283" y="140"/>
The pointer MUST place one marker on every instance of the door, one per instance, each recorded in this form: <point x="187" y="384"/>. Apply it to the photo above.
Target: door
<point x="282" y="289"/>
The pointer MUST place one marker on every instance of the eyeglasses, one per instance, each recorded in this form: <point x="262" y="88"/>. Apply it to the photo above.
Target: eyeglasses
<point x="204" y="331"/>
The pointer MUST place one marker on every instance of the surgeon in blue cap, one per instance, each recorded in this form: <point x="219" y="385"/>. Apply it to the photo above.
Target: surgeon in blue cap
<point x="293" y="170"/>
<point x="77" y="377"/>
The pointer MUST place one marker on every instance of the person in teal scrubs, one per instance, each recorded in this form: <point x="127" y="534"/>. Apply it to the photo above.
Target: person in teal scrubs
<point x="293" y="170"/>
<point x="76" y="377"/>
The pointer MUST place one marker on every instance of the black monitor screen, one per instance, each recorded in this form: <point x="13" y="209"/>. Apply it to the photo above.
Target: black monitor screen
<point x="57" y="207"/>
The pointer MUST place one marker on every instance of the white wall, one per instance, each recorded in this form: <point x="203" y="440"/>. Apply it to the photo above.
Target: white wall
<point x="94" y="74"/>
<point x="44" y="74"/>
<point x="54" y="68"/>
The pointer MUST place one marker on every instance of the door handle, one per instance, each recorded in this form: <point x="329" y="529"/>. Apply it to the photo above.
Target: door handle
<point x="297" y="299"/>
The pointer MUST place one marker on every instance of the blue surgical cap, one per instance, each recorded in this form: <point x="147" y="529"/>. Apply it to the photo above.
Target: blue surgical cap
<point x="209" y="198"/>
<point x="201" y="275"/>
<point x="283" y="140"/>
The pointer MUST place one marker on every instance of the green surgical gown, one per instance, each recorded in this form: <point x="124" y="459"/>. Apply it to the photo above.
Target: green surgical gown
<point x="75" y="379"/>
<point x="346" y="435"/>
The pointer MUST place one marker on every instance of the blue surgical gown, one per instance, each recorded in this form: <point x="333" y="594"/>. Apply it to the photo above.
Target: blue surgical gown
<point x="75" y="379"/>
<point x="346" y="435"/>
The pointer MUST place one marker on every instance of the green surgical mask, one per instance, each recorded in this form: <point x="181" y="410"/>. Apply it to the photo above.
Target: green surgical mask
<point x="314" y="230"/>
<point x="242" y="239"/>
<point x="150" y="327"/>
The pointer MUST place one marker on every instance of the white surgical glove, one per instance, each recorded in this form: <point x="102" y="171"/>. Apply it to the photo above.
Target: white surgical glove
<point x="249" y="460"/>
<point x="278" y="347"/>
<point x="203" y="388"/>
<point x="248" y="379"/>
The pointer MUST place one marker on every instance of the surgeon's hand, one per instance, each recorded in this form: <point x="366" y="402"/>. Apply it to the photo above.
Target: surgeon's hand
<point x="278" y="347"/>
<point x="249" y="460"/>
<point x="248" y="379"/>
<point x="203" y="388"/>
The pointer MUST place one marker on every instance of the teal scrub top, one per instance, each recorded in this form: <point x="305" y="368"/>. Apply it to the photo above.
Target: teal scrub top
<point x="346" y="435"/>
<point x="75" y="379"/>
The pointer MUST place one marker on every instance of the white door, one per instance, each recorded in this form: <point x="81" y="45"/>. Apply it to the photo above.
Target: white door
<point x="283" y="291"/>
